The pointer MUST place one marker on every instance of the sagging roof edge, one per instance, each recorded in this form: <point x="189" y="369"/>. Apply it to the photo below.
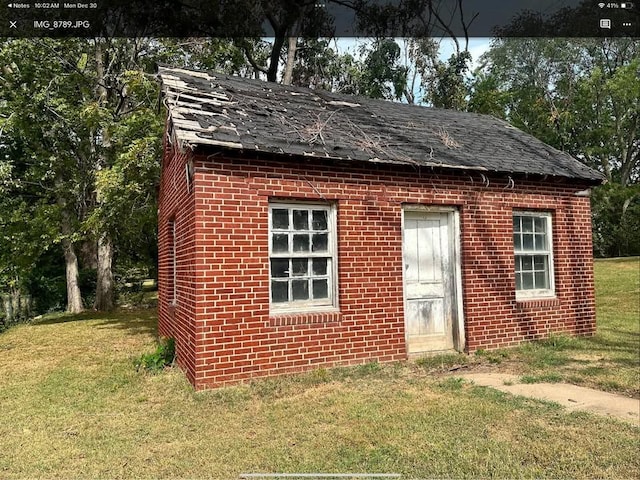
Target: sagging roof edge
<point x="196" y="139"/>
<point x="211" y="151"/>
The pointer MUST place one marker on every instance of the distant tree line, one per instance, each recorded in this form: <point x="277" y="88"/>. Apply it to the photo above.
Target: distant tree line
<point x="81" y="128"/>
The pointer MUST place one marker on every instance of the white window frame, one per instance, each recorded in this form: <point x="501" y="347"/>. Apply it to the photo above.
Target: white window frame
<point x="311" y="305"/>
<point x="545" y="251"/>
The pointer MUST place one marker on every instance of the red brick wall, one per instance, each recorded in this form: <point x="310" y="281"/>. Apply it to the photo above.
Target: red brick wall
<point x="176" y="204"/>
<point x="224" y="314"/>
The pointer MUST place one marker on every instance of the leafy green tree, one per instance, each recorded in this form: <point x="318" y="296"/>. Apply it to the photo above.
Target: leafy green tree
<point x="383" y="74"/>
<point x="616" y="220"/>
<point x="45" y="140"/>
<point x="82" y="113"/>
<point x="445" y="82"/>
<point x="580" y="95"/>
<point x="318" y="65"/>
<point x="583" y="97"/>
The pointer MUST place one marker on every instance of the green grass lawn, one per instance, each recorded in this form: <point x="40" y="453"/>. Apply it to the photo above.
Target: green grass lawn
<point x="73" y="405"/>
<point x="608" y="361"/>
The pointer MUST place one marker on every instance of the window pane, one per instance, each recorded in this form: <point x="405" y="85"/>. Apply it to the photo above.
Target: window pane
<point x="541" y="280"/>
<point x="279" y="267"/>
<point x="280" y="218"/>
<point x="280" y="243"/>
<point x="320" y="289"/>
<point x="320" y="242"/>
<point x="539" y="262"/>
<point x="279" y="292"/>
<point x="531" y="233"/>
<point x="299" y="267"/>
<point x="527" y="281"/>
<point x="301" y="243"/>
<point x="319" y="220"/>
<point x="517" y="242"/>
<point x="319" y="266"/>
<point x="300" y="289"/>
<point x="298" y="276"/>
<point x="300" y="220"/>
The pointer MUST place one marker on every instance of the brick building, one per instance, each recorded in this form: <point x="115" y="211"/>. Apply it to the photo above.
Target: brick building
<point x="300" y="228"/>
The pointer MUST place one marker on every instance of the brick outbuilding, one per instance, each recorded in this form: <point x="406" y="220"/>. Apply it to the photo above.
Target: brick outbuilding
<point x="300" y="228"/>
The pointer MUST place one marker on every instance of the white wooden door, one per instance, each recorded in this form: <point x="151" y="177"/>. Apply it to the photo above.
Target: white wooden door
<point x="429" y="284"/>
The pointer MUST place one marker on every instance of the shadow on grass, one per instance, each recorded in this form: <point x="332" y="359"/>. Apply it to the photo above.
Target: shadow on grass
<point x="132" y="326"/>
<point x="625" y="342"/>
<point x="134" y="321"/>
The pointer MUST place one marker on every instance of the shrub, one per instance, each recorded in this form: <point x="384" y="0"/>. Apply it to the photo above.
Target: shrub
<point x="162" y="357"/>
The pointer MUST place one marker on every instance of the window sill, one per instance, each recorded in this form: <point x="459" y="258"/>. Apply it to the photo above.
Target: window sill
<point x="280" y="319"/>
<point x="537" y="301"/>
<point x="526" y="295"/>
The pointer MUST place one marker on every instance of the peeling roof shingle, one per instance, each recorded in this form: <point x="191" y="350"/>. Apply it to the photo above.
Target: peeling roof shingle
<point x="209" y="109"/>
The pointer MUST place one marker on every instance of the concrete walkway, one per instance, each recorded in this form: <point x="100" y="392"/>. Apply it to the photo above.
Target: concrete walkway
<point x="570" y="396"/>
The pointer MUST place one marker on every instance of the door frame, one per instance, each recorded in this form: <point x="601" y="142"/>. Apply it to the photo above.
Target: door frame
<point x="455" y="246"/>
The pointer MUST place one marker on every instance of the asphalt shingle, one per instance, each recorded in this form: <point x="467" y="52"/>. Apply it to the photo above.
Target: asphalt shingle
<point x="215" y="110"/>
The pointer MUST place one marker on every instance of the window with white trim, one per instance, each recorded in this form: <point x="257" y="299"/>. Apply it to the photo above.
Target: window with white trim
<point x="533" y="254"/>
<point x="302" y="254"/>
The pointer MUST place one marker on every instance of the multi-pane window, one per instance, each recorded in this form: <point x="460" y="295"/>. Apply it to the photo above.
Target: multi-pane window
<point x="302" y="255"/>
<point x="533" y="254"/>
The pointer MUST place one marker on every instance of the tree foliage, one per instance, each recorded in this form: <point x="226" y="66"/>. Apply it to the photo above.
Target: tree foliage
<point x="80" y="128"/>
<point x="383" y="75"/>
<point x="583" y="97"/>
<point x="80" y="134"/>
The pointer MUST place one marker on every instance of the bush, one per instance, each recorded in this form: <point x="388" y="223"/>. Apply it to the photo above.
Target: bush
<point x="162" y="357"/>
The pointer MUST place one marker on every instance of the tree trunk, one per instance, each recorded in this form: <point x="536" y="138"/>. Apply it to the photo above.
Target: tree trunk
<point x="104" y="284"/>
<point x="104" y="280"/>
<point x="272" y="71"/>
<point x="8" y="309"/>
<point x="74" y="298"/>
<point x="17" y="304"/>
<point x="291" y="59"/>
<point x="87" y="252"/>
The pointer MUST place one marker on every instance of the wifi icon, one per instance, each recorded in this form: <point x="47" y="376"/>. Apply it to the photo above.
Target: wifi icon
<point x="601" y="5"/>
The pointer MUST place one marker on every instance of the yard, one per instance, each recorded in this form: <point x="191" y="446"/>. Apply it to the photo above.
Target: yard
<point x="73" y="405"/>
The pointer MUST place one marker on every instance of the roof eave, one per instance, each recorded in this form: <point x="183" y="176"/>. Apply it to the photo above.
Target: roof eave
<point x="211" y="146"/>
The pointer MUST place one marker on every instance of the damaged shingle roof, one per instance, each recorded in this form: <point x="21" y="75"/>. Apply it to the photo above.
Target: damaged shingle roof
<point x="210" y="109"/>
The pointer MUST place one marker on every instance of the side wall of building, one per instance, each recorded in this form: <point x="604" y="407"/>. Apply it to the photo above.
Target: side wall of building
<point x="176" y="258"/>
<point x="222" y="321"/>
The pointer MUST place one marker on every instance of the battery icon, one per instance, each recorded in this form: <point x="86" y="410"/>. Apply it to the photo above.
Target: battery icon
<point x="626" y="5"/>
